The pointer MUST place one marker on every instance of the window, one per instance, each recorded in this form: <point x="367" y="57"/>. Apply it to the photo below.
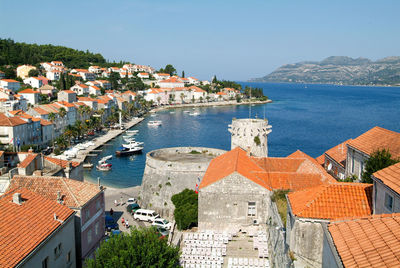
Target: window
<point x="57" y="251"/>
<point x="98" y="207"/>
<point x="89" y="236"/>
<point x="96" y="228"/>
<point x="87" y="214"/>
<point x="251" y="209"/>
<point x="45" y="263"/>
<point x="389" y="202"/>
<point x="69" y="257"/>
<point x="352" y="163"/>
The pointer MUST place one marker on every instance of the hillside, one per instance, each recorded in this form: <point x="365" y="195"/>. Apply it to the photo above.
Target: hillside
<point x="339" y="70"/>
<point x="14" y="53"/>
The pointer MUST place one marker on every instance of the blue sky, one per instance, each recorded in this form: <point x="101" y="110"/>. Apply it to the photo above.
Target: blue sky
<point x="235" y="40"/>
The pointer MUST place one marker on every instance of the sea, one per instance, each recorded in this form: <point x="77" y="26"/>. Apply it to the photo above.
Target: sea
<point x="307" y="117"/>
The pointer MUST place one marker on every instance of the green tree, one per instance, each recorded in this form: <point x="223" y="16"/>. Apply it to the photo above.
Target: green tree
<point x="114" y="77"/>
<point x="33" y="72"/>
<point x="186" y="205"/>
<point x="141" y="248"/>
<point x="378" y="160"/>
<point x="169" y="69"/>
<point x="183" y="74"/>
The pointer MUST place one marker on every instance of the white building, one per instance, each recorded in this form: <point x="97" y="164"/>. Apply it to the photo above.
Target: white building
<point x="161" y="76"/>
<point x="30" y="95"/>
<point x="171" y="83"/>
<point x="80" y="89"/>
<point x="143" y="75"/>
<point x="10" y="84"/>
<point x="34" y="82"/>
<point x="53" y="75"/>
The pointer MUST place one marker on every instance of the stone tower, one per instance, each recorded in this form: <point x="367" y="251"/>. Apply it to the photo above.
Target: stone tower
<point x="250" y="135"/>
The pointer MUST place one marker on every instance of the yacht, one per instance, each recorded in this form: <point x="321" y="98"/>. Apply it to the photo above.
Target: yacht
<point x="131" y="132"/>
<point x="132" y="144"/>
<point x="122" y="151"/>
<point x="155" y="123"/>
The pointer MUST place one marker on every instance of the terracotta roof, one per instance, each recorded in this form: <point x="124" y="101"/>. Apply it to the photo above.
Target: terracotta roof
<point x="333" y="201"/>
<point x="221" y="93"/>
<point x="377" y="138"/>
<point x="9" y="80"/>
<point x="86" y="99"/>
<point x="44" y="122"/>
<point x="339" y="153"/>
<point x="96" y="88"/>
<point x="271" y="173"/>
<point x="28" y="159"/>
<point x="10" y="121"/>
<point x="40" y="111"/>
<point x="60" y="162"/>
<point x="321" y="159"/>
<point x="368" y="242"/>
<point x="28" y="91"/>
<point x="82" y="85"/>
<point x="235" y="160"/>
<point x="24" y="227"/>
<point x="390" y="176"/>
<point x="171" y="80"/>
<point x="66" y="104"/>
<point x="69" y="91"/>
<point x="73" y="193"/>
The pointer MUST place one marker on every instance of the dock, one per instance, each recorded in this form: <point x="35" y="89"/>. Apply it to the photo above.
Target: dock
<point x="102" y="140"/>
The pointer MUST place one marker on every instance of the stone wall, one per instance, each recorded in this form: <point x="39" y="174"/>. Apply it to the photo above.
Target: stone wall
<point x="277" y="247"/>
<point x="224" y="204"/>
<point x="243" y="134"/>
<point x="163" y="178"/>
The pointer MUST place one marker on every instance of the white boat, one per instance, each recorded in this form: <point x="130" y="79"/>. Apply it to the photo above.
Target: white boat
<point x="105" y="158"/>
<point x="153" y="115"/>
<point x="87" y="165"/>
<point x="194" y="114"/>
<point x="132" y="144"/>
<point x="155" y="123"/>
<point x="129" y="139"/>
<point x="104" y="166"/>
<point x="172" y="112"/>
<point x="131" y="132"/>
<point x="128" y="136"/>
<point x="128" y="151"/>
<point x="186" y="111"/>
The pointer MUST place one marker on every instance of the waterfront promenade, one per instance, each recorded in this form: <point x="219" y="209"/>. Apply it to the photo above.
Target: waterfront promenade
<point x="210" y="104"/>
<point x="100" y="141"/>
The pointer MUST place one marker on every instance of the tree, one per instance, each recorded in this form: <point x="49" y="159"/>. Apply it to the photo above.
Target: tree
<point x="378" y="160"/>
<point x="33" y="72"/>
<point x="114" y="77"/>
<point x="141" y="248"/>
<point x="169" y="69"/>
<point x="186" y="204"/>
<point x="183" y="74"/>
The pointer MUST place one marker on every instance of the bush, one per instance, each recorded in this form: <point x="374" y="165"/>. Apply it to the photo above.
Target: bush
<point x="378" y="160"/>
<point x="257" y="140"/>
<point x="186" y="205"/>
<point x="57" y="151"/>
<point x="195" y="152"/>
<point x="141" y="248"/>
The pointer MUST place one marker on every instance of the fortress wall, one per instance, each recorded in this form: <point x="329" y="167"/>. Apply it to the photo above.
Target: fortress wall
<point x="163" y="178"/>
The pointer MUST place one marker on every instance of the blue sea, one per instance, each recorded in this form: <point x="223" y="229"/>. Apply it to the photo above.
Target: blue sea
<point x="308" y="117"/>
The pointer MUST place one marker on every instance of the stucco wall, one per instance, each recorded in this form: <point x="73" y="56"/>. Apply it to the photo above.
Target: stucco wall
<point x="330" y="258"/>
<point x="359" y="162"/>
<point x="379" y="198"/>
<point x="223" y="205"/>
<point x="163" y="178"/>
<point x="66" y="238"/>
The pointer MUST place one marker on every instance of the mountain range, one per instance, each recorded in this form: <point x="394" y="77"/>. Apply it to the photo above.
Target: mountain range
<point x="338" y="70"/>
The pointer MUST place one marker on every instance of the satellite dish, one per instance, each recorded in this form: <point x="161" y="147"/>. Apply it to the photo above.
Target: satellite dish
<point x="329" y="166"/>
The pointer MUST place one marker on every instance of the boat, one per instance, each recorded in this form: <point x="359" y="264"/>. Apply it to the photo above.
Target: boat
<point x="108" y="157"/>
<point x="186" y="111"/>
<point x="153" y="115"/>
<point x="131" y="132"/>
<point x="87" y="165"/>
<point x="122" y="151"/>
<point x="194" y="114"/>
<point x="127" y="136"/>
<point x="155" y="123"/>
<point x="132" y="144"/>
<point x="172" y="112"/>
<point x="104" y="166"/>
<point x="129" y="139"/>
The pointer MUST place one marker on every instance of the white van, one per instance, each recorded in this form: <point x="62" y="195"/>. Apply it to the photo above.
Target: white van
<point x="145" y="215"/>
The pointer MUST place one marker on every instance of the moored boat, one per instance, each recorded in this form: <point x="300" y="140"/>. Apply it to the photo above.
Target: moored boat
<point x="104" y="166"/>
<point x="154" y="123"/>
<point x="131" y="132"/>
<point x="122" y="151"/>
<point x="132" y="144"/>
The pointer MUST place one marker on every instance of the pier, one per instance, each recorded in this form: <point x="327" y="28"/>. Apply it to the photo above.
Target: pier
<point x="102" y="140"/>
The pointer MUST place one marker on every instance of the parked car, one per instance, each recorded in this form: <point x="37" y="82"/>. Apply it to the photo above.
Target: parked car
<point x="162" y="232"/>
<point x="160" y="222"/>
<point x="131" y="201"/>
<point x="145" y="215"/>
<point x="110" y="223"/>
<point x="132" y="208"/>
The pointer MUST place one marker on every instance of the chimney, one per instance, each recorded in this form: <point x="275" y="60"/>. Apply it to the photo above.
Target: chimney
<point x="30" y="150"/>
<point x="17" y="199"/>
<point x="59" y="199"/>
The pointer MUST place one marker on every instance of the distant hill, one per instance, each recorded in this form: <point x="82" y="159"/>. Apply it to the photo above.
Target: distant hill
<point x="338" y="70"/>
<point x="14" y="53"/>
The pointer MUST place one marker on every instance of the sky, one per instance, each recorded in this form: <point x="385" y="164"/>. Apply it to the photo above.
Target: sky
<point x="234" y="40"/>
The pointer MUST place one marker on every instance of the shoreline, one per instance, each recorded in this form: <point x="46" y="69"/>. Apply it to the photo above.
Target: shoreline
<point x="322" y="84"/>
<point x="209" y="104"/>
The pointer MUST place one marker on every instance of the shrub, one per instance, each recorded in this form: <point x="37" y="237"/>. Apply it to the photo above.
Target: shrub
<point x="168" y="183"/>
<point x="257" y="140"/>
<point x="378" y="160"/>
<point x="141" y="248"/>
<point x="186" y="204"/>
<point x="195" y="152"/>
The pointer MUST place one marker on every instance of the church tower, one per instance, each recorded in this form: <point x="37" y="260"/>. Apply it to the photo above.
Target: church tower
<point x="251" y="135"/>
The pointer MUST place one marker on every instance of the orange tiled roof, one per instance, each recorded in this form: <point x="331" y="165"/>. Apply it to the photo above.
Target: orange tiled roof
<point x="10" y="121"/>
<point x="44" y="122"/>
<point x="171" y="80"/>
<point x="60" y="162"/>
<point x="339" y="153"/>
<point x="9" y="80"/>
<point x="221" y="93"/>
<point x="372" y="241"/>
<point x="377" y="138"/>
<point x="24" y="227"/>
<point x="69" y="91"/>
<point x="86" y="99"/>
<point x="333" y="201"/>
<point x="28" y="91"/>
<point x="271" y="173"/>
<point x="73" y="193"/>
<point x="390" y="176"/>
<point x="40" y="111"/>
<point x="321" y="159"/>
<point x="28" y="159"/>
<point x="235" y="160"/>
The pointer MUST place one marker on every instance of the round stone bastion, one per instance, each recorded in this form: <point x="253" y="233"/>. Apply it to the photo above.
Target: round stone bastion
<point x="169" y="171"/>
